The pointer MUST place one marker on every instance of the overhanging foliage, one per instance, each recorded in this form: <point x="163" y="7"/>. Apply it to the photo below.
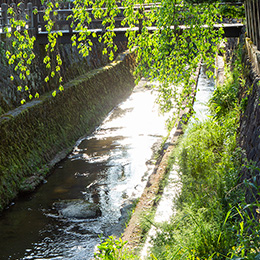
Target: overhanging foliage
<point x="169" y="55"/>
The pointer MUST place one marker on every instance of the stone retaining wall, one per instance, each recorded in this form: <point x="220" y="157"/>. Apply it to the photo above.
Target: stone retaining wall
<point x="31" y="135"/>
<point x="73" y="65"/>
<point x="249" y="131"/>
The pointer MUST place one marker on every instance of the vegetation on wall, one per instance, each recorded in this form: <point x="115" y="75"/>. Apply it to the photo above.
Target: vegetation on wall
<point x="169" y="55"/>
<point x="31" y="136"/>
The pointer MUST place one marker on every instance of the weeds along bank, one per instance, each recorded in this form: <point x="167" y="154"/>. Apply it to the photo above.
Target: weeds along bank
<point x="32" y="134"/>
<point x="214" y="219"/>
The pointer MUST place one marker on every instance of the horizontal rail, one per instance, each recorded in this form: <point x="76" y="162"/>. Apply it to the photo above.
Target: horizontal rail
<point x="230" y="30"/>
<point x="63" y="24"/>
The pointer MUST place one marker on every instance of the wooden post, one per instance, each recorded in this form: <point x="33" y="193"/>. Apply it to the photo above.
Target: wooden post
<point x="256" y="23"/>
<point x="22" y="15"/>
<point x="4" y="8"/>
<point x="30" y="14"/>
<point x="258" y="19"/>
<point x="35" y="21"/>
<point x="252" y="21"/>
<point x="247" y="19"/>
<point x="14" y="7"/>
<point x="22" y="10"/>
<point x="70" y="25"/>
<point x="245" y="4"/>
<point x="255" y="27"/>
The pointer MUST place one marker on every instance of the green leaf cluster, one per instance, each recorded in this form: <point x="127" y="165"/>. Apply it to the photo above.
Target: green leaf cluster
<point x="20" y="53"/>
<point x="184" y="35"/>
<point x="170" y="54"/>
<point x="112" y="249"/>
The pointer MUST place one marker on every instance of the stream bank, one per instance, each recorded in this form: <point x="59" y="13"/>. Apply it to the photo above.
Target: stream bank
<point x="133" y="233"/>
<point x="137" y="239"/>
<point x="89" y="193"/>
<point x="32" y="135"/>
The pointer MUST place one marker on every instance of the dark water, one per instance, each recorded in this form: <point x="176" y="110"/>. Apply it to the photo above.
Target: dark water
<point x="108" y="168"/>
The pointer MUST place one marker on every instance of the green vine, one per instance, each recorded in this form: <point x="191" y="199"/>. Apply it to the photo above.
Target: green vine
<point x="52" y="60"/>
<point x="20" y="54"/>
<point x="184" y="35"/>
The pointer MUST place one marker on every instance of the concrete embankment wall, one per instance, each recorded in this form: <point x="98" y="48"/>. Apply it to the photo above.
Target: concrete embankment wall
<point x="31" y="135"/>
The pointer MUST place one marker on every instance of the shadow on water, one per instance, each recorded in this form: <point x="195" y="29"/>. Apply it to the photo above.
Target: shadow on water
<point x="105" y="171"/>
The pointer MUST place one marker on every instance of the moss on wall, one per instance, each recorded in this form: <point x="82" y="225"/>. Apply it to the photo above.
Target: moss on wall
<point x="31" y="135"/>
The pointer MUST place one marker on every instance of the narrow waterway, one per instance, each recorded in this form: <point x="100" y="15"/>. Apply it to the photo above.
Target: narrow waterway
<point x="166" y="208"/>
<point x="108" y="169"/>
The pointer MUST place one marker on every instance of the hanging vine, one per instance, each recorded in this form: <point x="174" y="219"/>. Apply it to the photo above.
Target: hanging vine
<point x="169" y="54"/>
<point x="20" y="53"/>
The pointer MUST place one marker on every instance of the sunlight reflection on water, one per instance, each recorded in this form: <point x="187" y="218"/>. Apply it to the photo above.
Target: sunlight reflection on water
<point x="108" y="167"/>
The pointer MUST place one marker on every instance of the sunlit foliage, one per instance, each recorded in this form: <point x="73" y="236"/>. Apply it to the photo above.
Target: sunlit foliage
<point x="183" y="35"/>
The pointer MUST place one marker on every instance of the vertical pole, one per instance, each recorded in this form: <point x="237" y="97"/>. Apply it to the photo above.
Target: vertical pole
<point x="247" y="18"/>
<point x="22" y="9"/>
<point x="4" y="8"/>
<point x="35" y="20"/>
<point x="30" y="14"/>
<point x="254" y="22"/>
<point x="258" y="19"/>
<point x="14" y="7"/>
<point x="22" y="13"/>
<point x="70" y="24"/>
<point x="140" y="24"/>
<point x="257" y="24"/>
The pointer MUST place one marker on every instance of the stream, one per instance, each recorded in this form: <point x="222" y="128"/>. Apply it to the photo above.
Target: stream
<point x="107" y="169"/>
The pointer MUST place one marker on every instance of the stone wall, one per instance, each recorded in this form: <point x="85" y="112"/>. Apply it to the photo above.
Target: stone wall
<point x="249" y="131"/>
<point x="73" y="65"/>
<point x="31" y="135"/>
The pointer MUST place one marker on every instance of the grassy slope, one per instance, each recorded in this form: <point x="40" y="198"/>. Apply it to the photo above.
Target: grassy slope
<point x="212" y="220"/>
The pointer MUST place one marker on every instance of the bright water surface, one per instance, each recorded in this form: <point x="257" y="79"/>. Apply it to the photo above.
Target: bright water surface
<point x="109" y="167"/>
<point x="166" y="208"/>
<point x="204" y="92"/>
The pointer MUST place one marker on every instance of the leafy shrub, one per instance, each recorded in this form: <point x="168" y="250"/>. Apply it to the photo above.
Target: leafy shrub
<point x="113" y="249"/>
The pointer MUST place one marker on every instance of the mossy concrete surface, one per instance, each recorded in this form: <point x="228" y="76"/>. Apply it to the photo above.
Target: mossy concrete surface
<point x="31" y="135"/>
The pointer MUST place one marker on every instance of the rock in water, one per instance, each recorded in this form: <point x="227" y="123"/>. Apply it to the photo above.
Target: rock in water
<point x="77" y="209"/>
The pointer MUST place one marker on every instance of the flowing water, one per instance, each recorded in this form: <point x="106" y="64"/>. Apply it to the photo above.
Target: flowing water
<point x="108" y="169"/>
<point x="166" y="208"/>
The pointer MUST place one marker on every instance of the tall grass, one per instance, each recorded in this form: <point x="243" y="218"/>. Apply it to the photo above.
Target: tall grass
<point x="212" y="220"/>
